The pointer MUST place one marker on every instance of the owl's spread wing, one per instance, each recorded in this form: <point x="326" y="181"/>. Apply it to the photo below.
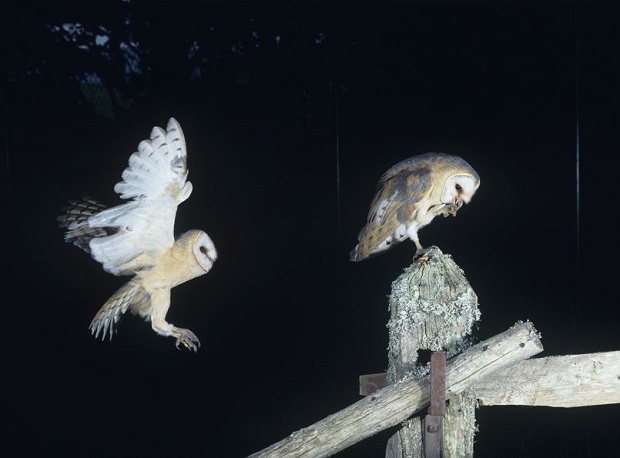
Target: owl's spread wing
<point x="156" y="181"/>
<point x="158" y="168"/>
<point x="400" y="192"/>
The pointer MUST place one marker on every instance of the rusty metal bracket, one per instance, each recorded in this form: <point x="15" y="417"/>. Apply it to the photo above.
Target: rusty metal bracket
<point x="437" y="409"/>
<point x="370" y="383"/>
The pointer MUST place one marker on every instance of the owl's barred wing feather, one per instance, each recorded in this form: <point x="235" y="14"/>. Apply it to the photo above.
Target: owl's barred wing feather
<point x="109" y="314"/>
<point x="75" y="220"/>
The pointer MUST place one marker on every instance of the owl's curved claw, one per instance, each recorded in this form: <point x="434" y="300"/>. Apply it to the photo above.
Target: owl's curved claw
<point x="450" y="210"/>
<point x="188" y="339"/>
<point x="423" y="255"/>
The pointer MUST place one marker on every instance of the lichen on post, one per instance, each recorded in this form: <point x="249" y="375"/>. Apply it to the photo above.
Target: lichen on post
<point x="432" y="307"/>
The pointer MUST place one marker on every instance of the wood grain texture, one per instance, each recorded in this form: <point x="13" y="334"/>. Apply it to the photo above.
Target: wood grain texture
<point x="556" y="381"/>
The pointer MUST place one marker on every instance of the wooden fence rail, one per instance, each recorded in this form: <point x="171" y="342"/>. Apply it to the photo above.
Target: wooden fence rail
<point x="393" y="404"/>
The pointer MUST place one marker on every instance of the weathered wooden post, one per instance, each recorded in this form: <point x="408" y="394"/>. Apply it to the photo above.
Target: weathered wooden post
<point x="432" y="307"/>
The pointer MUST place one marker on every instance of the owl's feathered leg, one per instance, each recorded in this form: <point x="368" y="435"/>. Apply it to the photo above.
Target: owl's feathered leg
<point x="420" y="252"/>
<point x="160" y="303"/>
<point x="422" y="255"/>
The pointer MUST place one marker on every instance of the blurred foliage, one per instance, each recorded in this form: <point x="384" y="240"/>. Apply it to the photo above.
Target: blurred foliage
<point x="112" y="55"/>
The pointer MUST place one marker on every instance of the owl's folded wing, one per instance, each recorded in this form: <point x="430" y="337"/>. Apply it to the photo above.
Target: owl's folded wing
<point x="398" y="198"/>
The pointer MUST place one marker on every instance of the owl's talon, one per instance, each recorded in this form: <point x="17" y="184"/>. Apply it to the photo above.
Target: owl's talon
<point x="449" y="210"/>
<point x="425" y="254"/>
<point x="188" y="339"/>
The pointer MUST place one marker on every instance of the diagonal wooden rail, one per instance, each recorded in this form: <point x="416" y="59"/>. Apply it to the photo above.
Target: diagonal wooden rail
<point x="393" y="404"/>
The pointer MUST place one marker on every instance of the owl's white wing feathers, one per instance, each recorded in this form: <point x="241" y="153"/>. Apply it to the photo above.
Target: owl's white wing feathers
<point x="156" y="180"/>
<point x="159" y="163"/>
<point x="145" y="228"/>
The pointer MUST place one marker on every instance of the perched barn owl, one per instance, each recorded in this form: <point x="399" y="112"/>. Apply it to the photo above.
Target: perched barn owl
<point x="137" y="238"/>
<point x="409" y="195"/>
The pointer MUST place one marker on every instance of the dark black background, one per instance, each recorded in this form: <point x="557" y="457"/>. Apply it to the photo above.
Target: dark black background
<point x="297" y="110"/>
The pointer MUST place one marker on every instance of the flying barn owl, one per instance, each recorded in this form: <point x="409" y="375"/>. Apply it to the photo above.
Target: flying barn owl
<point x="409" y="195"/>
<point x="137" y="238"/>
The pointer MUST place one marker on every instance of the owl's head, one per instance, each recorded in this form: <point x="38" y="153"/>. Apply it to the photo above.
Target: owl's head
<point x="460" y="188"/>
<point x="205" y="251"/>
<point x="201" y="246"/>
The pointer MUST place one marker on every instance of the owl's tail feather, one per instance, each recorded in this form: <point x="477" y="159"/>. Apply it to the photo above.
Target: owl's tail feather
<point x="354" y="255"/>
<point x="362" y="251"/>
<point x="109" y="314"/>
<point x="366" y="247"/>
<point x="75" y="220"/>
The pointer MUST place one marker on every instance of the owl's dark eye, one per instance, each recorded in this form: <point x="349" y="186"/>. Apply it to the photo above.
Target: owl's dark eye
<point x="458" y="187"/>
<point x="203" y="250"/>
